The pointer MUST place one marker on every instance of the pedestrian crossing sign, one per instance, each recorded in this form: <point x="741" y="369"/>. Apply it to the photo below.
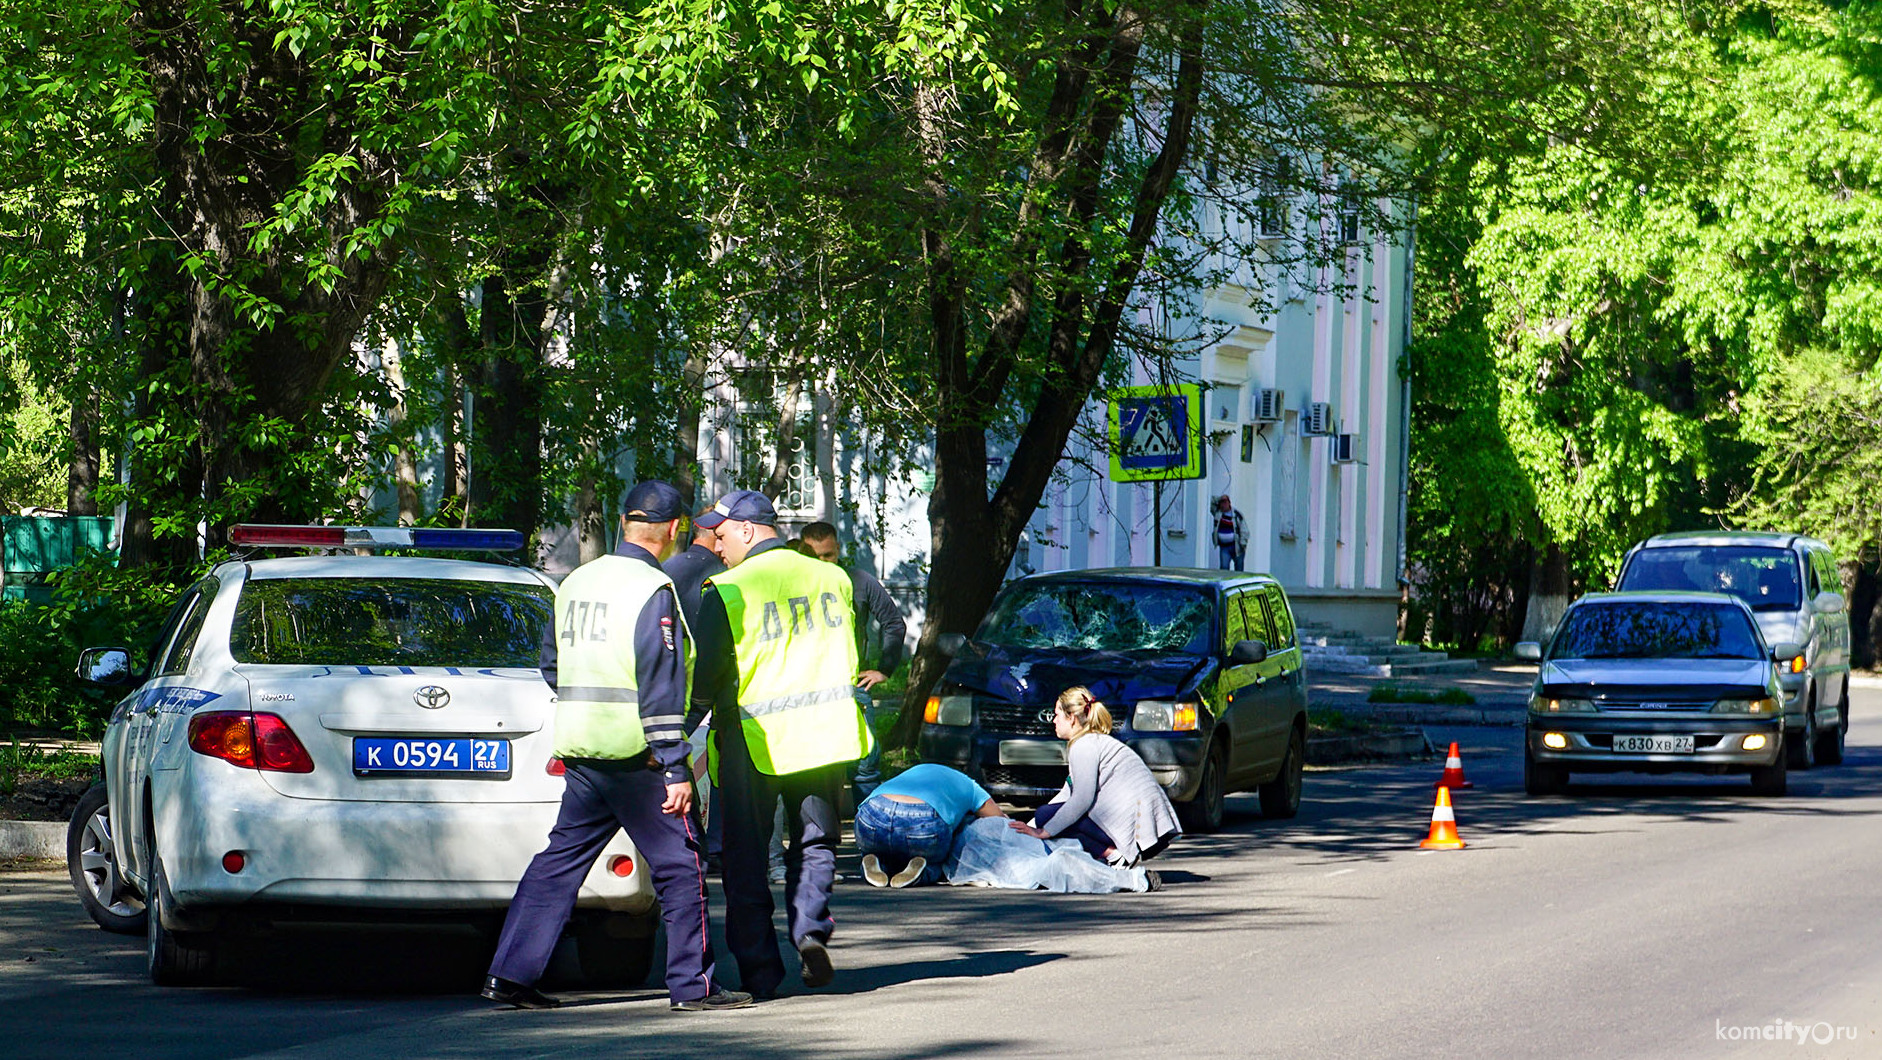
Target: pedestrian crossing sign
<point x="1156" y="433"/>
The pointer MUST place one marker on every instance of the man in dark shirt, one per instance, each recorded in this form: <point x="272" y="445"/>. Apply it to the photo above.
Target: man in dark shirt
<point x="620" y="643"/>
<point x="690" y="569"/>
<point x="881" y="638"/>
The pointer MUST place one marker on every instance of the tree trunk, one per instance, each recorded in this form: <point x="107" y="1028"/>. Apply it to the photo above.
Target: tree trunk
<point x="506" y="460"/>
<point x="81" y="478"/>
<point x="785" y="455"/>
<point x="404" y="461"/>
<point x="1865" y="600"/>
<point x="1549" y="594"/>
<point x="974" y="536"/>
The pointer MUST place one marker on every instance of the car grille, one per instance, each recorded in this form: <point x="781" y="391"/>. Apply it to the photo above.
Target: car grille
<point x="1051" y="777"/>
<point x="996" y="716"/>
<point x="1656" y="705"/>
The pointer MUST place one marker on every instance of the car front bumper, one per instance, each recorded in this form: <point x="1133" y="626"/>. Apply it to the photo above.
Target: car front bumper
<point x="1175" y="759"/>
<point x="422" y="857"/>
<point x="1718" y="742"/>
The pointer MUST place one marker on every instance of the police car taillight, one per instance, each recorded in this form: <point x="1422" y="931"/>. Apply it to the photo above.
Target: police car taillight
<point x="263" y="535"/>
<point x="252" y="741"/>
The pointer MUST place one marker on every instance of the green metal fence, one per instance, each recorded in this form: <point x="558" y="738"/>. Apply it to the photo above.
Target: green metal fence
<point x="33" y="546"/>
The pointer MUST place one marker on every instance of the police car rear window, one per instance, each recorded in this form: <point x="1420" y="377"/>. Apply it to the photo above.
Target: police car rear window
<point x="389" y="622"/>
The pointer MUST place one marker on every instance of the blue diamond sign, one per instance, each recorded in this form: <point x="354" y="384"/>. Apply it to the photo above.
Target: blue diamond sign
<point x="1156" y="433"/>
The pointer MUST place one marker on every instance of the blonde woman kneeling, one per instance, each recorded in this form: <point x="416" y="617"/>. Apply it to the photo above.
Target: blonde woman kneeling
<point x="1110" y="802"/>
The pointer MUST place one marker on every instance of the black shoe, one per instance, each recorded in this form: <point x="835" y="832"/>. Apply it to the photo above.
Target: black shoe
<point x="717" y="1001"/>
<point x="1155" y="881"/>
<point x="817" y="968"/>
<point x="504" y="992"/>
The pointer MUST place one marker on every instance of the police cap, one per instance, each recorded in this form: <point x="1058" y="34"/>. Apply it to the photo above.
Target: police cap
<point x="745" y="506"/>
<point x="653" y="501"/>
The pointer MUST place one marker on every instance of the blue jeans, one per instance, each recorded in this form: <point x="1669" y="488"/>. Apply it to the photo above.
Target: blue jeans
<point x="1228" y="557"/>
<point x="1085" y="830"/>
<point x="867" y="773"/>
<point x="896" y="831"/>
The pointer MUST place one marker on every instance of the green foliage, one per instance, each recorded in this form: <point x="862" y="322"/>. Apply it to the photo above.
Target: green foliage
<point x="20" y="760"/>
<point x="1450" y="696"/>
<point x="95" y="604"/>
<point x="1670" y="338"/>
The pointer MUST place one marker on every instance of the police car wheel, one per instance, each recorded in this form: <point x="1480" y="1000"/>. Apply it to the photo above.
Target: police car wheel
<point x="174" y="958"/>
<point x="614" y="949"/>
<point x="90" y="847"/>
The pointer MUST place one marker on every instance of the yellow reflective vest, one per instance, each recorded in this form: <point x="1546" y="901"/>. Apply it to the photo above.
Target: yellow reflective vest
<point x="597" y="607"/>
<point x="794" y="636"/>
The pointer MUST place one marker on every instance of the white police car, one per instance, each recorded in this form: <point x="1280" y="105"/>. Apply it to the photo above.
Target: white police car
<point x="338" y="738"/>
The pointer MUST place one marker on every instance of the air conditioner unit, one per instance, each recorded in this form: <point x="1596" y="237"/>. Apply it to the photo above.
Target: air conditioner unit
<point x="1318" y="420"/>
<point x="1345" y="448"/>
<point x="1268" y="405"/>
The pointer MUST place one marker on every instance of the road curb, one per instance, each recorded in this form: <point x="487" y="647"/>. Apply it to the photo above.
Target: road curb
<point x="32" y="839"/>
<point x="1422" y="715"/>
<point x="1368" y="747"/>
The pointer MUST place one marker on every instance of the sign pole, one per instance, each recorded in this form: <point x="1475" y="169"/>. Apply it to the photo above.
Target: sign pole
<point x="1156" y="523"/>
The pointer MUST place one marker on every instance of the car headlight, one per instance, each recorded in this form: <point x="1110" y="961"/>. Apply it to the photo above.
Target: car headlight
<point x="1767" y="705"/>
<point x="949" y="710"/>
<point x="1546" y="705"/>
<point x="1164" y="715"/>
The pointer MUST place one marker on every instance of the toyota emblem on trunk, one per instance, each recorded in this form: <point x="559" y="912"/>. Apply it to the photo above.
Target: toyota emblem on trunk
<point x="431" y="697"/>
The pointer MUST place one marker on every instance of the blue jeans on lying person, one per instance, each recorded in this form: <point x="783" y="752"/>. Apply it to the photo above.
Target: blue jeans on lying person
<point x="897" y="831"/>
<point x="1088" y="834"/>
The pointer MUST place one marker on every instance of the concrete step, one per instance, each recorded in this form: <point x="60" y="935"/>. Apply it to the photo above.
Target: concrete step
<point x="1360" y="645"/>
<point x="1433" y="666"/>
<point x="1358" y="665"/>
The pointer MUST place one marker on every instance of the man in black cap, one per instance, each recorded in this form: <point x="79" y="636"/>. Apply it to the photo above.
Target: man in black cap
<point x="616" y="654"/>
<point x="777" y="662"/>
<point x="689" y="570"/>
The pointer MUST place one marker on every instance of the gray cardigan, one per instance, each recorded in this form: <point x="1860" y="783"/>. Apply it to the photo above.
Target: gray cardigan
<point x="1111" y="785"/>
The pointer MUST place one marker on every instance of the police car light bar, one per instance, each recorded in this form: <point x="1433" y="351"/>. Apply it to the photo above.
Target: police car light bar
<point x="258" y="535"/>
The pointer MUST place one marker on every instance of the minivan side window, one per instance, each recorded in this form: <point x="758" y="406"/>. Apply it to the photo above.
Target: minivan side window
<point x="1283" y="618"/>
<point x="1258" y="626"/>
<point x="1235" y="628"/>
<point x="1827" y="576"/>
<point x="1812" y="571"/>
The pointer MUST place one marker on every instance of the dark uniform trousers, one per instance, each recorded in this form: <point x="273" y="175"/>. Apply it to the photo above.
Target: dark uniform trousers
<point x="598" y="799"/>
<point x="749" y="799"/>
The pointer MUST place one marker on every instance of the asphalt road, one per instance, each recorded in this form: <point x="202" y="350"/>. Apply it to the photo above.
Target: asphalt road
<point x="1635" y="918"/>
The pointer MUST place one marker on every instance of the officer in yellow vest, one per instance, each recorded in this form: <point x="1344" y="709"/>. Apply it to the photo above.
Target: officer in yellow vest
<point x="777" y="660"/>
<point x="617" y="655"/>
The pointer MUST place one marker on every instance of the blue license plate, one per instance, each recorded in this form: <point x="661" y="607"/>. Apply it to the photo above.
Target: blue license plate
<point x="456" y="755"/>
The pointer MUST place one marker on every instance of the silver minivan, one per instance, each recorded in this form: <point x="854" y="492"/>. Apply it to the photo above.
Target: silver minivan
<point x="1791" y="584"/>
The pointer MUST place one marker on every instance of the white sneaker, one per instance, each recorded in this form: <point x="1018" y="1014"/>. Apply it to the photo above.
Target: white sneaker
<point x="872" y="871"/>
<point x="910" y="873"/>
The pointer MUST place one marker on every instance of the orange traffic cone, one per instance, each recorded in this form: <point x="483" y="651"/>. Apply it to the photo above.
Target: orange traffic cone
<point x="1443" y="825"/>
<point x="1453" y="772"/>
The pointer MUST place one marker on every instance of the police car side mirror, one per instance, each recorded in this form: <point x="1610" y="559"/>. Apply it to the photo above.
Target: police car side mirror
<point x="950" y="644"/>
<point x="1528" y="651"/>
<point x="109" y="667"/>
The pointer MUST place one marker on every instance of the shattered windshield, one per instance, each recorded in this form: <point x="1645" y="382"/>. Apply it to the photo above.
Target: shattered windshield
<point x="1101" y="616"/>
